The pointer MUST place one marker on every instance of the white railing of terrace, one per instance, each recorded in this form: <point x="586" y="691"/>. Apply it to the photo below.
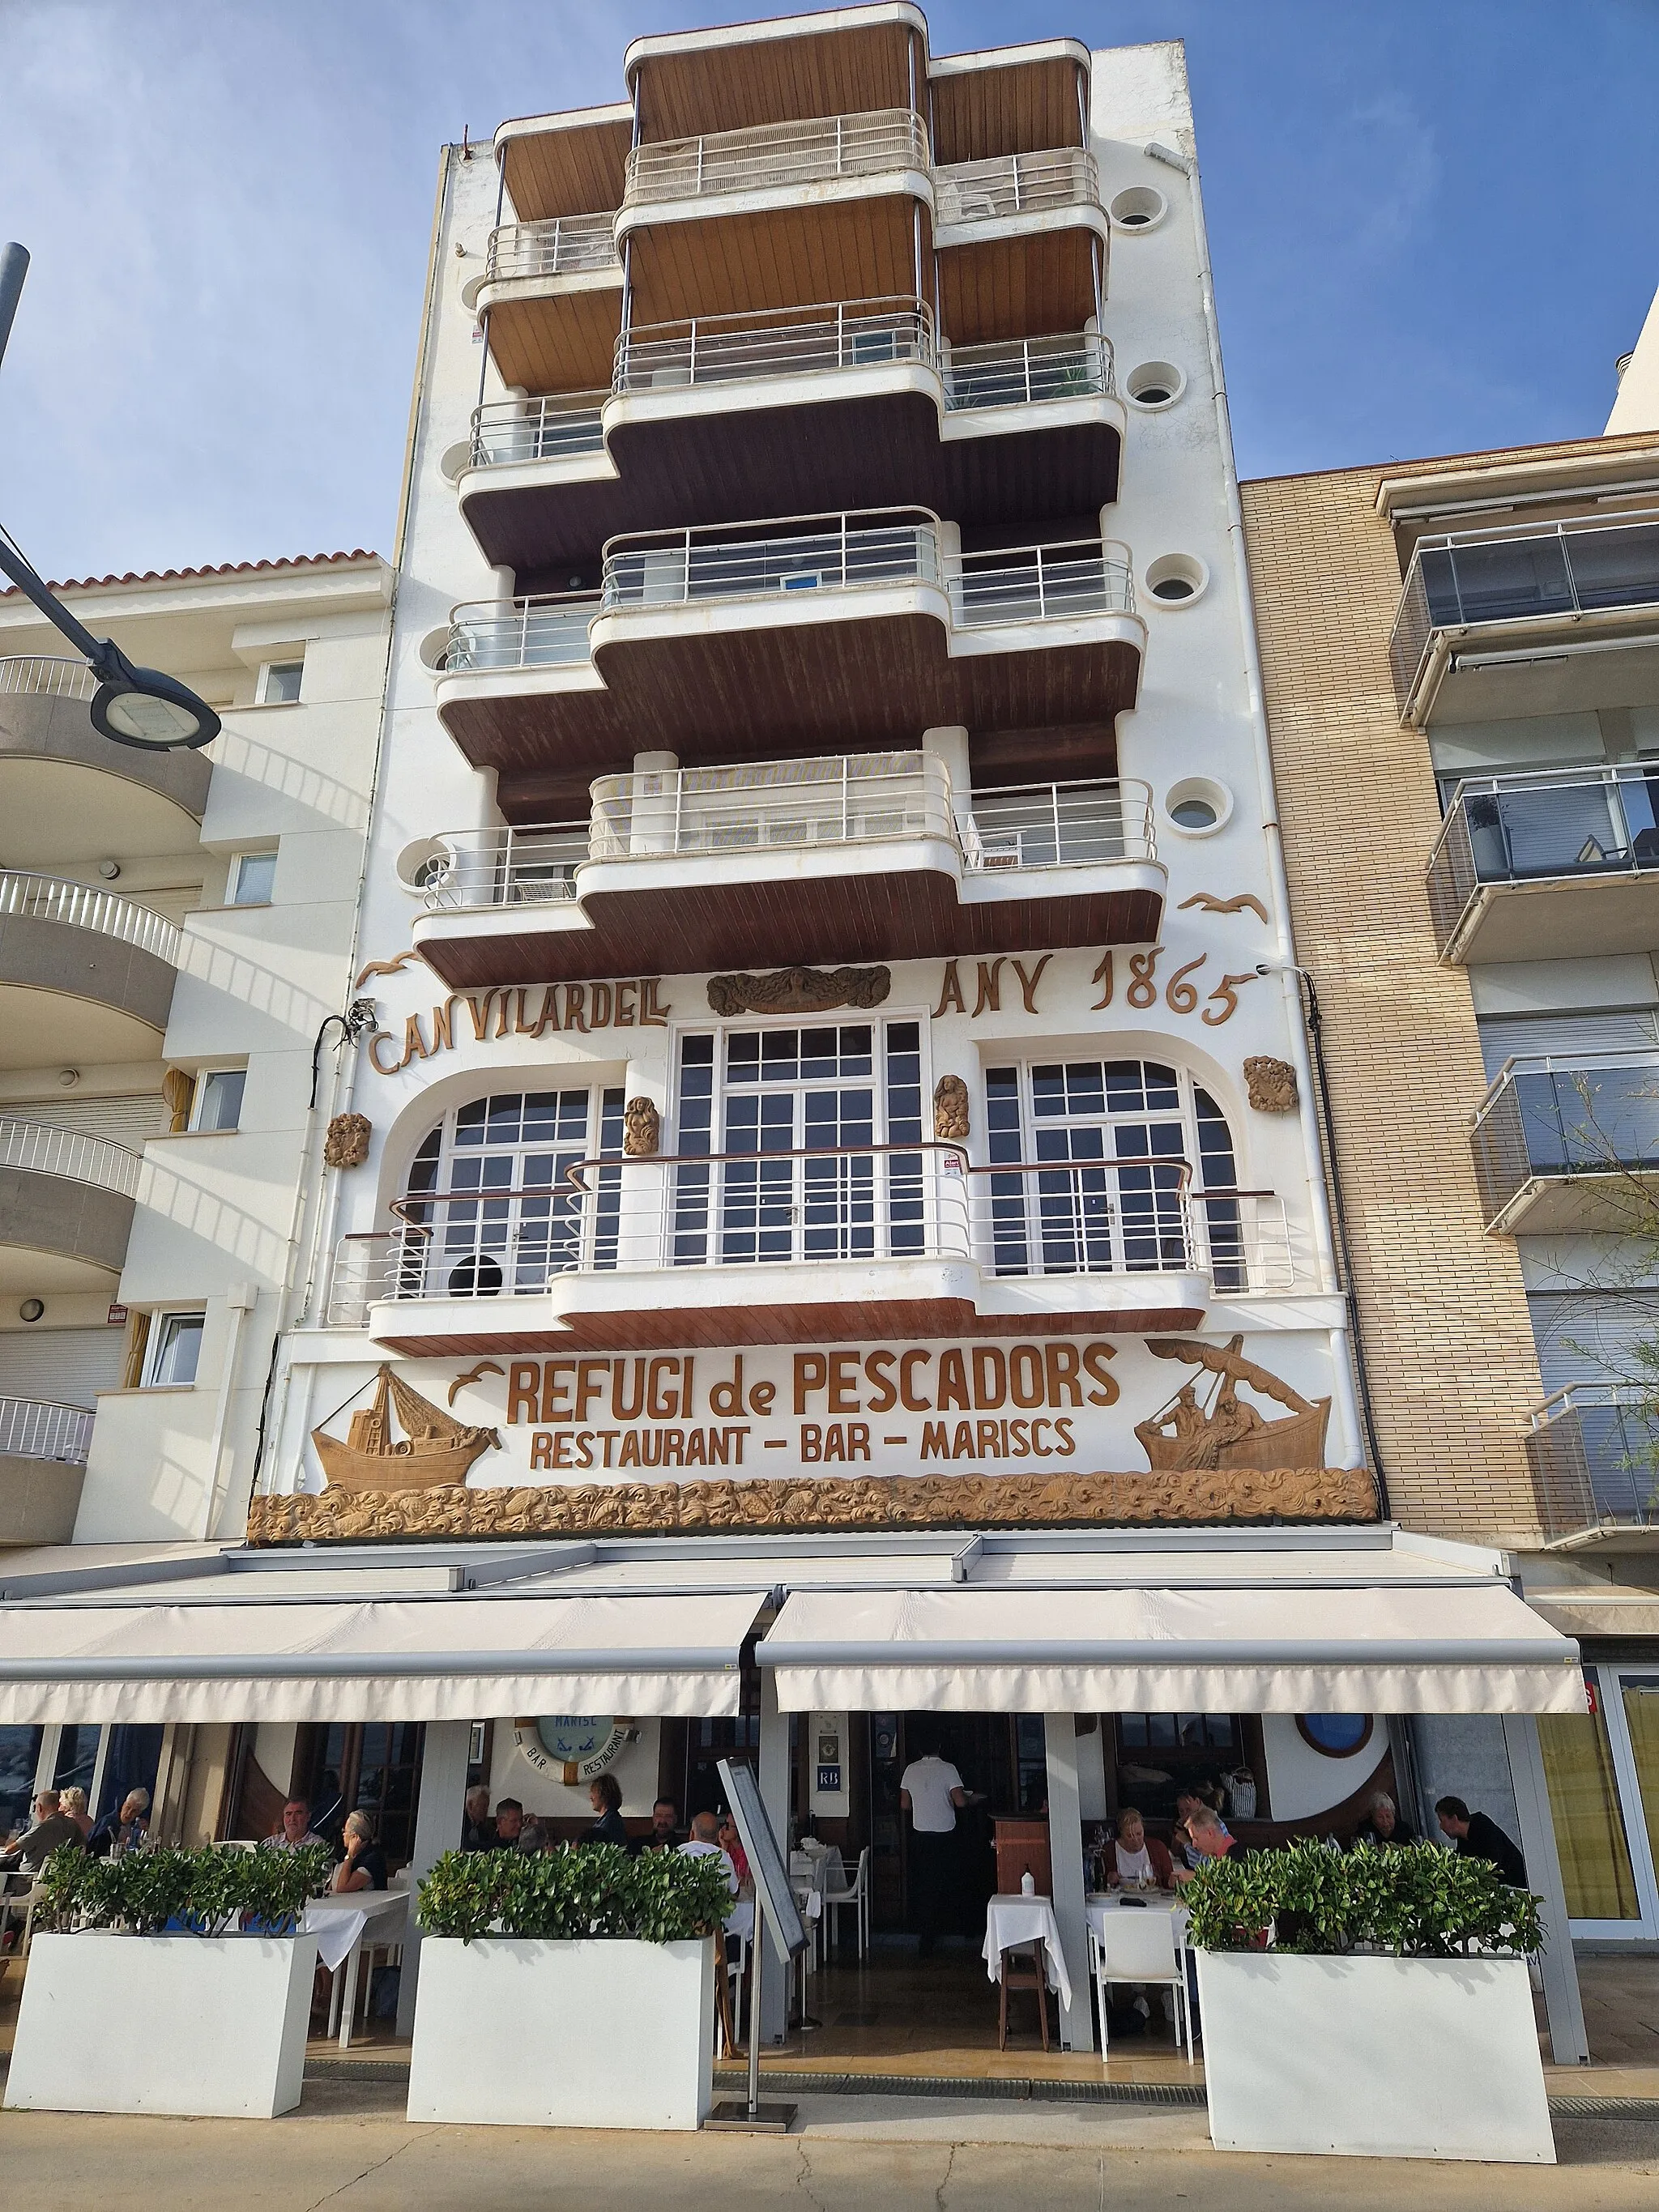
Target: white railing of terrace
<point x="561" y="246"/>
<point x="1016" y="184"/>
<point x="1024" y="371"/>
<point x="488" y="635"/>
<point x="52" y="680"/>
<point x="506" y="867"/>
<point x="774" y="155"/>
<point x="559" y="426"/>
<point x="774" y="342"/>
<point x="41" y="1150"/>
<point x="1040" y="583"/>
<point x="33" y="1428"/>
<point x="51" y="898"/>
<point x="843" y="552"/>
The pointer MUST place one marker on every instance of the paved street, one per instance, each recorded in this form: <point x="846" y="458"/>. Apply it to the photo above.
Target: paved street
<point x="348" y="2148"/>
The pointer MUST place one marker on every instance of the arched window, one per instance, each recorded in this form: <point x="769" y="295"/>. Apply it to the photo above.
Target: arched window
<point x="1108" y="1150"/>
<point x="506" y="1213"/>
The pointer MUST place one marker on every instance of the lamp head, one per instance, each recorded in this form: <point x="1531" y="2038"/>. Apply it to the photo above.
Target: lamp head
<point x="147" y="710"/>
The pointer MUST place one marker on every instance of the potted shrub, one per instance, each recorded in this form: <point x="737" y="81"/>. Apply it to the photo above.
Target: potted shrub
<point x="1374" y="2002"/>
<point x="173" y="1982"/>
<point x="568" y="1988"/>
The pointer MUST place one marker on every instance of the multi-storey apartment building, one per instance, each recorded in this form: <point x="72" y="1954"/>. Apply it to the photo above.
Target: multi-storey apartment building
<point x="828" y="1247"/>
<point x="175" y="928"/>
<point x="1462" y="676"/>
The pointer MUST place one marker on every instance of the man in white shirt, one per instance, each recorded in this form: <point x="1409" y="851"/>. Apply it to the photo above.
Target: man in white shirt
<point x="931" y="1791"/>
<point x="706" y="1843"/>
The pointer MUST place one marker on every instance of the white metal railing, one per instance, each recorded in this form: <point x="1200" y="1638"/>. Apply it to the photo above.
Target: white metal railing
<point x="1024" y="371"/>
<point x="67" y="1152"/>
<point x="1040" y="583"/>
<point x="776" y="155"/>
<point x="1019" y="827"/>
<point x="1594" y="1450"/>
<point x="846" y="1206"/>
<point x="54" y="679"/>
<point x="32" y="1428"/>
<point x="561" y="246"/>
<point x="555" y="427"/>
<point x="774" y="342"/>
<point x="1016" y="184"/>
<point x="844" y="552"/>
<point x="51" y="898"/>
<point x="506" y="867"/>
<point x="549" y="632"/>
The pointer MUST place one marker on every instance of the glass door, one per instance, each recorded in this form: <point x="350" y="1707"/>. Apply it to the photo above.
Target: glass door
<point x="1602" y="1769"/>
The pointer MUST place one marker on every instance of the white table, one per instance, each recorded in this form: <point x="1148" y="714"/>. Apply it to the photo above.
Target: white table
<point x="1099" y="1902"/>
<point x="344" y="1927"/>
<point x="1011" y="1921"/>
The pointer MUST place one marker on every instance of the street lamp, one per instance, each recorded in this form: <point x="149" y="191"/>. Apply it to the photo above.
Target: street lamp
<point x="137" y="707"/>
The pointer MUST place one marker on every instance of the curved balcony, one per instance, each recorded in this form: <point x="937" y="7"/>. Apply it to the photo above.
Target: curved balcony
<point x="1563" y="1147"/>
<point x="69" y="795"/>
<point x="84" y="976"/>
<point x="859" y="857"/>
<point x="861" y="626"/>
<point x="43" y="1461"/>
<point x="1549" y="866"/>
<point x="66" y="1204"/>
<point x="907" y="1240"/>
<point x="552" y="293"/>
<point x="706" y="413"/>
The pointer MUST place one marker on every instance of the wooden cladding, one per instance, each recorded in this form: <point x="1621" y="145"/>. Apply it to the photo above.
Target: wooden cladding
<point x="1010" y="107"/>
<point x="792" y="255"/>
<point x="735" y="82"/>
<point x="556" y="334"/>
<point x="575" y="169"/>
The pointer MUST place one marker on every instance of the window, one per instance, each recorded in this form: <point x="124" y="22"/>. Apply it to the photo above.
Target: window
<point x="800" y="1123"/>
<point x="506" y="1212"/>
<point x="279" y="683"/>
<point x="366" y="1766"/>
<point x="1160" y="1754"/>
<point x="219" y="1099"/>
<point x="253" y="876"/>
<point x="175" y="1346"/>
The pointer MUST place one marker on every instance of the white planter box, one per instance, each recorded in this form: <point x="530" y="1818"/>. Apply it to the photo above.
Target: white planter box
<point x="1373" y="2057"/>
<point x="208" y="2026"/>
<point x="563" y="2035"/>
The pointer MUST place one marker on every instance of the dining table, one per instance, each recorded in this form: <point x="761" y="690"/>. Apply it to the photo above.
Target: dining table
<point x="1013" y="1921"/>
<point x="345" y="1926"/>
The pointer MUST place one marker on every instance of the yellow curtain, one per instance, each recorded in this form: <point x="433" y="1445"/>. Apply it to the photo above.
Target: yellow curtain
<point x="1641" y="1711"/>
<point x="1590" y="1834"/>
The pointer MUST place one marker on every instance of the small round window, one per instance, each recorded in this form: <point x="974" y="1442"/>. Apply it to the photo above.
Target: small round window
<point x="1193" y="814"/>
<point x="1197" y="806"/>
<point x="1139" y="208"/>
<point x="1155" y="384"/>
<point x="1175" y="579"/>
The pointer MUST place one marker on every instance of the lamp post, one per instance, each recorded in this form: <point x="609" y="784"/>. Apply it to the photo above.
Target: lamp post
<point x="137" y="707"/>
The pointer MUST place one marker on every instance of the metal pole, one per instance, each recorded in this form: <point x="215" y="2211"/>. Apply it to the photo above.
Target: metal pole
<point x="14" y="267"/>
<point x="756" y="1952"/>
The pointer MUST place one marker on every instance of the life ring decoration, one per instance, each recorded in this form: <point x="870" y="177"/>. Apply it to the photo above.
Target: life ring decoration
<point x="572" y="1747"/>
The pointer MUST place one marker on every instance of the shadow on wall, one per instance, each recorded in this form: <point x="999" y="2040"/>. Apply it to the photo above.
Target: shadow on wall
<point x="279" y="773"/>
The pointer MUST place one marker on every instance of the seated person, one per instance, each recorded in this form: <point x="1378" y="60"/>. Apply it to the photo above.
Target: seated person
<point x="731" y="1844"/>
<point x="52" y="1827"/>
<point x="509" y="1824"/>
<point x="706" y="1843"/>
<point x="1477" y="1836"/>
<point x="604" y="1796"/>
<point x="1383" y="1824"/>
<point x="72" y="1804"/>
<point x="1209" y="1839"/>
<point x="477" y="1829"/>
<point x="533" y="1838"/>
<point x="363" y="1866"/>
<point x="1189" y="1801"/>
<point x="664" y="1825"/>
<point x="296" y="1832"/>
<point x="1137" y="1857"/>
<point x="122" y="1831"/>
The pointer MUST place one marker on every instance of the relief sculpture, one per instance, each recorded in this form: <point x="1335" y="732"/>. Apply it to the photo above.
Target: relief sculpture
<point x="1224" y="1430"/>
<point x="799" y="991"/>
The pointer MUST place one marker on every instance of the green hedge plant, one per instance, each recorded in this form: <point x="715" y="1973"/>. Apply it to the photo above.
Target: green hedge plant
<point x="1415" y="1902"/>
<point x="205" y="1893"/>
<point x="574" y="1893"/>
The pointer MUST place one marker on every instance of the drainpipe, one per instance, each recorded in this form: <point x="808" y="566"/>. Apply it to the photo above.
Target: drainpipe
<point x="1347" y="1366"/>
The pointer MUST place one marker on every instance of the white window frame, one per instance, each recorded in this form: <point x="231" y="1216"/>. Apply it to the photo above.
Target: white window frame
<point x="158" y="1342"/>
<point x="233" y="879"/>
<point x="1609" y="1690"/>
<point x="268" y="669"/>
<point x="198" y="1100"/>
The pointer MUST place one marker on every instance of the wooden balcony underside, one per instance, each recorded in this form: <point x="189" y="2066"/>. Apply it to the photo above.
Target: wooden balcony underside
<point x="841" y="686"/>
<point x="1019" y="108"/>
<point x="562" y="339"/>
<point x="882" y="451"/>
<point x="815" y="921"/>
<point x="1016" y="288"/>
<point x="577" y="170"/>
<point x="734" y="83"/>
<point x="794" y="256"/>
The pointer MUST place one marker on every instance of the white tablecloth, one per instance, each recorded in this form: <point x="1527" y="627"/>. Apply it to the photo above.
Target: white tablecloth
<point x="1097" y="1907"/>
<point x="339" y="1922"/>
<point x="1010" y="1920"/>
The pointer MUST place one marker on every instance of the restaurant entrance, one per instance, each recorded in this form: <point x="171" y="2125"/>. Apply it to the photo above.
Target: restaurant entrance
<point x="1000" y="1759"/>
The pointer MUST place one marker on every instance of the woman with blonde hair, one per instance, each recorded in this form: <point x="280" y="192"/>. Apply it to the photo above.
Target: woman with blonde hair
<point x="363" y="1866"/>
<point x="72" y="1803"/>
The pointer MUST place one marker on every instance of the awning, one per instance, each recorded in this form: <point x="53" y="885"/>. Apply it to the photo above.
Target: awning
<point x="444" y="1658"/>
<point x="1473" y="1649"/>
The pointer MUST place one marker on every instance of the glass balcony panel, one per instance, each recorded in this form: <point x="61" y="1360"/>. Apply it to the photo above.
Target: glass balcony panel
<point x="1589" y="1119"/>
<point x="1614" y="568"/>
<point x="1502" y="581"/>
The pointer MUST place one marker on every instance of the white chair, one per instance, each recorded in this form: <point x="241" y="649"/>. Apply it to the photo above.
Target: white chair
<point x="1143" y="1947"/>
<point x="839" y="1892"/>
<point x="20" y="1905"/>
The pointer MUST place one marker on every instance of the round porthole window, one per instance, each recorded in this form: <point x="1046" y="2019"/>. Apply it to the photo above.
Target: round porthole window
<point x="425" y="865"/>
<point x="1155" y="384"/>
<point x="1196" y="806"/>
<point x="1139" y="208"/>
<point x="1176" y="580"/>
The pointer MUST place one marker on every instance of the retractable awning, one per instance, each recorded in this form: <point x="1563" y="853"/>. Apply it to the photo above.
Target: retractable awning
<point x="444" y="1658"/>
<point x="1473" y="1649"/>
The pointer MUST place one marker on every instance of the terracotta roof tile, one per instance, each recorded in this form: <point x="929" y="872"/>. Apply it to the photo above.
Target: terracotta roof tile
<point x="178" y="576"/>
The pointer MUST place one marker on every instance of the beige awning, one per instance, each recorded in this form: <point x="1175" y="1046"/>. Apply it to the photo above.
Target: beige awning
<point x="445" y="1658"/>
<point x="1473" y="1649"/>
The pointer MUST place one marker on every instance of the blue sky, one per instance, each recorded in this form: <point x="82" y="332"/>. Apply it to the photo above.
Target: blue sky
<point x="1434" y="226"/>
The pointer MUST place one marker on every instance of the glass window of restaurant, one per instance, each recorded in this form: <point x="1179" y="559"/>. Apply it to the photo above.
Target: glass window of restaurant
<point x="1603" y="1770"/>
<point x="369" y="1766"/>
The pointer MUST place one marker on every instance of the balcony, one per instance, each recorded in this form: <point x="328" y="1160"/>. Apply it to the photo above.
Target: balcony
<point x="773" y="157"/>
<point x="84" y="976"/>
<point x="1595" y="1454"/>
<point x="861" y="627"/>
<point x="1509" y="621"/>
<point x="43" y="1460"/>
<point x="66" y="1204"/>
<point x="808" y="1245"/>
<point x="859" y="857"/>
<point x="552" y="291"/>
<point x="68" y="796"/>
<point x="1561" y="1148"/>
<point x="706" y="415"/>
<point x="1556" y="865"/>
